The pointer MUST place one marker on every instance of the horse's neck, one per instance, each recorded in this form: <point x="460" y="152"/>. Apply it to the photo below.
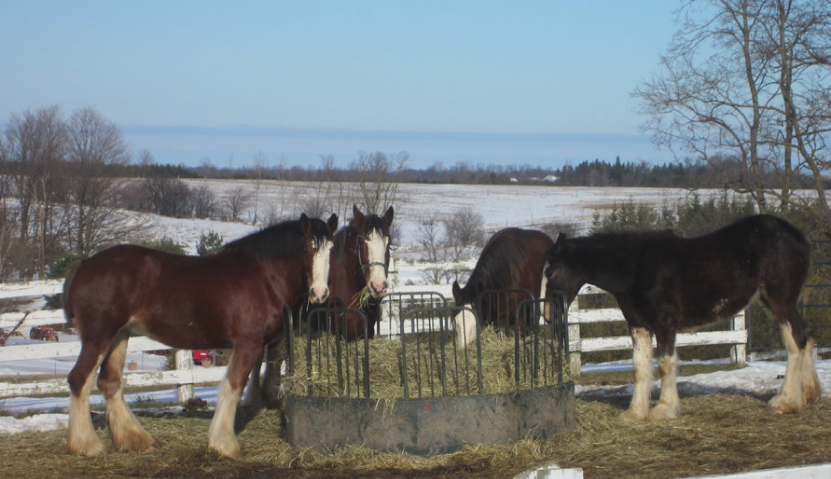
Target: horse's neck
<point x="345" y="273"/>
<point x="295" y="285"/>
<point x="604" y="265"/>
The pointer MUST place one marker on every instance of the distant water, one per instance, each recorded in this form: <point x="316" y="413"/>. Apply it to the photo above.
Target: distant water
<point x="237" y="147"/>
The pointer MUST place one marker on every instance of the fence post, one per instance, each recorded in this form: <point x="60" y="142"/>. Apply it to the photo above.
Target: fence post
<point x="574" y="358"/>
<point x="738" y="352"/>
<point x="184" y="362"/>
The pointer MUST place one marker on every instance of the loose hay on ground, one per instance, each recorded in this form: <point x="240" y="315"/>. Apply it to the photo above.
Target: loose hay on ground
<point x="718" y="434"/>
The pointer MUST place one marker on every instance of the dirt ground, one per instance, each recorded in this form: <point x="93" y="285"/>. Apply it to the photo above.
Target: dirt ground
<point x="718" y="434"/>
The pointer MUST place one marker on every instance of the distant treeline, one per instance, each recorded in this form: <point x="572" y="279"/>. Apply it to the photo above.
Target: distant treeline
<point x="717" y="173"/>
<point x="722" y="173"/>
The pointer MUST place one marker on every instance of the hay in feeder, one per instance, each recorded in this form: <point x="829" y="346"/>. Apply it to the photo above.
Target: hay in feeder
<point x="423" y="365"/>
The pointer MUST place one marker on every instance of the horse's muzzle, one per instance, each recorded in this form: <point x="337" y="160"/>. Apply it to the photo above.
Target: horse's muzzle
<point x="318" y="295"/>
<point x="378" y="289"/>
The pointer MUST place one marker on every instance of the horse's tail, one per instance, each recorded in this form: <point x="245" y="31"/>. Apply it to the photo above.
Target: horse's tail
<point x="67" y="305"/>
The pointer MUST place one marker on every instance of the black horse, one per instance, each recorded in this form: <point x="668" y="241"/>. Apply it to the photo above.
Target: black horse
<point x="664" y="284"/>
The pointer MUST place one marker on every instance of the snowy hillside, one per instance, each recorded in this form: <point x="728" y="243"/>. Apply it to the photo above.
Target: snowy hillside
<point x="500" y="205"/>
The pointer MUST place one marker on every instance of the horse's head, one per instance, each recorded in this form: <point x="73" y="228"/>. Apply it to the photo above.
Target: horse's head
<point x="373" y="249"/>
<point x="559" y="274"/>
<point x="317" y="241"/>
<point x="465" y="320"/>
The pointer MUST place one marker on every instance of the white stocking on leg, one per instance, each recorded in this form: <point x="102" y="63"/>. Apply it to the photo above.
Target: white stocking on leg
<point x="668" y="406"/>
<point x="790" y="398"/>
<point x="642" y="362"/>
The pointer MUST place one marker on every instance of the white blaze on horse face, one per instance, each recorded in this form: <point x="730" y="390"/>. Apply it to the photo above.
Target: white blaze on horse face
<point x="376" y="247"/>
<point x="546" y="310"/>
<point x="320" y="272"/>
<point x="465" y="327"/>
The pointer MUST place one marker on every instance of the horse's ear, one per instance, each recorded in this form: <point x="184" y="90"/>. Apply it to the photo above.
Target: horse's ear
<point x="457" y="292"/>
<point x="358" y="218"/>
<point x="304" y="222"/>
<point x="332" y="223"/>
<point x="560" y="244"/>
<point x="388" y="216"/>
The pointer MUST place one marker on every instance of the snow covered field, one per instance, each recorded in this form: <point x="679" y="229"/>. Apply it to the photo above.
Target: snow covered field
<point x="500" y="205"/>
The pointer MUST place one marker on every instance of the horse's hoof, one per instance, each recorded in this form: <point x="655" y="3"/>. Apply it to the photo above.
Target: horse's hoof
<point x="662" y="412"/>
<point x="780" y="405"/>
<point x="88" y="449"/>
<point x="631" y="417"/>
<point x="230" y="454"/>
<point x="230" y="450"/>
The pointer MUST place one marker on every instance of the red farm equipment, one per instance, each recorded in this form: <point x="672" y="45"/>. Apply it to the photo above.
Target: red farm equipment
<point x="43" y="333"/>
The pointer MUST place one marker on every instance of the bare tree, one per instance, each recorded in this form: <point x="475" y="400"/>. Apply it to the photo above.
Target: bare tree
<point x="206" y="169"/>
<point x="237" y="201"/>
<point x="451" y="239"/>
<point x="92" y="196"/>
<point x="36" y="143"/>
<point x="8" y="225"/>
<point x="431" y="239"/>
<point x="377" y="179"/>
<point x="146" y="158"/>
<point x="204" y="202"/>
<point x="747" y="79"/>
<point x="167" y="197"/>
<point x="465" y="228"/>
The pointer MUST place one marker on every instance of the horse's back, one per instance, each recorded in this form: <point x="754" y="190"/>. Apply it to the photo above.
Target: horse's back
<point x="765" y="244"/>
<point x="166" y="296"/>
<point x="727" y="268"/>
<point x="513" y="258"/>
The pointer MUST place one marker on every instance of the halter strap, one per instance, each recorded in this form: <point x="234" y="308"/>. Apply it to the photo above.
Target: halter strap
<point x="365" y="266"/>
<point x="374" y="263"/>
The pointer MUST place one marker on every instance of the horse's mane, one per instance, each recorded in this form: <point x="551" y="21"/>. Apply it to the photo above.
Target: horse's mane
<point x="340" y="239"/>
<point x="375" y="222"/>
<point x="279" y="240"/>
<point x="623" y="238"/>
<point x="500" y="262"/>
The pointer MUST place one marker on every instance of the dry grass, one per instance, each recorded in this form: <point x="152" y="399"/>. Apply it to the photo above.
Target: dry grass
<point x="717" y="434"/>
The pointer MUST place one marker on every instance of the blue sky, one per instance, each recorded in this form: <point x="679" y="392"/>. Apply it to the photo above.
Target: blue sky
<point x="539" y="82"/>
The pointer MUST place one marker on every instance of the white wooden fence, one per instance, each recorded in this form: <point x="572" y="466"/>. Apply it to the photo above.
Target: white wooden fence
<point x="736" y="336"/>
<point x="185" y="375"/>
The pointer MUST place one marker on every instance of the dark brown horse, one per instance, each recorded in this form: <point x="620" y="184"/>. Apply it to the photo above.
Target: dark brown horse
<point x="232" y="299"/>
<point x="664" y="284"/>
<point x="357" y="279"/>
<point x="512" y="259"/>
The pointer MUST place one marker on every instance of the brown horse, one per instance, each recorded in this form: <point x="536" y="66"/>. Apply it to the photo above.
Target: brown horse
<point x="232" y="299"/>
<point x="664" y="284"/>
<point x="360" y="262"/>
<point x="512" y="262"/>
<point x="357" y="279"/>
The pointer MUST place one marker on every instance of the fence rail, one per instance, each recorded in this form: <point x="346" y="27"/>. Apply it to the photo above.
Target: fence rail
<point x="185" y="375"/>
<point x="737" y="336"/>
